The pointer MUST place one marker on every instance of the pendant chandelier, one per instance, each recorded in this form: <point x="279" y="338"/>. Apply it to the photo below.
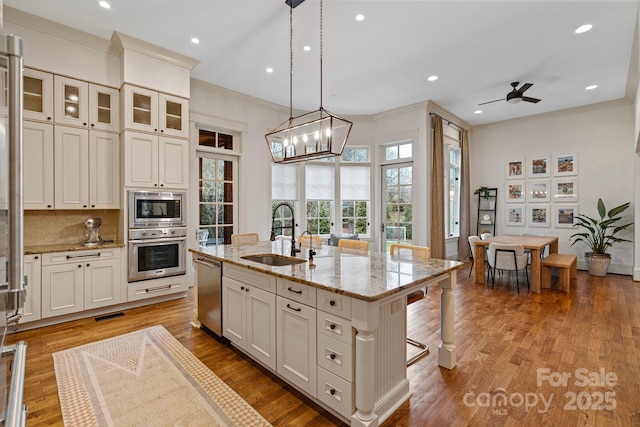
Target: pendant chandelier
<point x="313" y="135"/>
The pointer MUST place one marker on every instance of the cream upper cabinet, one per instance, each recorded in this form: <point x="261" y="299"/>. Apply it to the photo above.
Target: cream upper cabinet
<point x="150" y="111"/>
<point x="71" y="101"/>
<point x="104" y="108"/>
<point x="38" y="95"/>
<point x="87" y="167"/>
<point x="78" y="103"/>
<point x="38" y="165"/>
<point x="155" y="162"/>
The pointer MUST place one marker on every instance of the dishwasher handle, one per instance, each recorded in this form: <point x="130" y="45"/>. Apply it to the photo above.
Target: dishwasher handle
<point x="208" y="262"/>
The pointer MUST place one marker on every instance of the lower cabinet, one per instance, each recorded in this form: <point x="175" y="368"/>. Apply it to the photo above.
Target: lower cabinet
<point x="249" y="313"/>
<point x="32" y="270"/>
<point x="297" y="344"/>
<point x="80" y="280"/>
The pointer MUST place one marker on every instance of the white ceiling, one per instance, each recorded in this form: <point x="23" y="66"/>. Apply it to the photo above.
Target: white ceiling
<point x="477" y="48"/>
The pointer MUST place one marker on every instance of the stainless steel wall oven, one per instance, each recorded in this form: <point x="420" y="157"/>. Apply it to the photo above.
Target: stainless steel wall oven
<point x="157" y="235"/>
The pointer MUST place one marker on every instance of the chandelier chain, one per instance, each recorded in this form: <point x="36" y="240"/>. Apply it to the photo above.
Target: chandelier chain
<point x="290" y="64"/>
<point x="321" y="34"/>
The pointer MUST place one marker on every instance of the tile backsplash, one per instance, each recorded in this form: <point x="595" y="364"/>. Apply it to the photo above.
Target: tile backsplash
<point x="66" y="226"/>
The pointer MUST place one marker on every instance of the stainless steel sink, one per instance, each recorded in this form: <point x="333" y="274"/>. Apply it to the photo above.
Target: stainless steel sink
<point x="274" y="260"/>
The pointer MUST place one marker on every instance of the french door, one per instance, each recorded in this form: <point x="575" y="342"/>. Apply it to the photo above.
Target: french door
<point x="217" y="198"/>
<point x="397" y="193"/>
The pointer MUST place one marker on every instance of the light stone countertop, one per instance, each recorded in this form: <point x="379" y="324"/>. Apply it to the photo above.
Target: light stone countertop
<point x="367" y="277"/>
<point x="65" y="247"/>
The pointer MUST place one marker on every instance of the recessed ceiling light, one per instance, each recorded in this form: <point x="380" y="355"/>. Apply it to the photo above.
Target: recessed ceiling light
<point x="583" y="28"/>
<point x="359" y="17"/>
<point x="104" y="4"/>
<point x="195" y="40"/>
<point x="269" y="70"/>
<point x="307" y="48"/>
<point x="591" y="87"/>
<point x="432" y="78"/>
<point x="477" y="112"/>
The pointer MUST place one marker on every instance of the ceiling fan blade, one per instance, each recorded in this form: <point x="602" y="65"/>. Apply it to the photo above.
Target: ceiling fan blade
<point x="489" y="102"/>
<point x="534" y="100"/>
<point x="524" y="87"/>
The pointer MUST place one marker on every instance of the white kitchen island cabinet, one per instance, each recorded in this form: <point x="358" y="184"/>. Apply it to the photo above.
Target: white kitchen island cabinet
<point x="340" y="332"/>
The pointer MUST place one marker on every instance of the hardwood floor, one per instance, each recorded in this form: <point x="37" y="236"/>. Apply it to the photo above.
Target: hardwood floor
<point x="511" y="350"/>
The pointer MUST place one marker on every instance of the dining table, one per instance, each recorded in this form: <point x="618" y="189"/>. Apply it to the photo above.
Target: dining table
<point x="535" y="244"/>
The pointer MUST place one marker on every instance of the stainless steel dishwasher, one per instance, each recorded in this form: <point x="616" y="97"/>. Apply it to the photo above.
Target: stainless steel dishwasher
<point x="210" y="294"/>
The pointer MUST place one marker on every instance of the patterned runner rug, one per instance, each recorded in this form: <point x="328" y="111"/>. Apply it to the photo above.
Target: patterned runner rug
<point x="145" y="378"/>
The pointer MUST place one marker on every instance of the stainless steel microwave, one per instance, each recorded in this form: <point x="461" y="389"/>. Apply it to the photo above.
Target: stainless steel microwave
<point x="157" y="209"/>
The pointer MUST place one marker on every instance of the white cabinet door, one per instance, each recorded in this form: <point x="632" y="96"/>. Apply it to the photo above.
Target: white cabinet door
<point x="296" y="344"/>
<point x="71" y="101"/>
<point x="234" y="311"/>
<point x="71" y="168"/>
<point x="173" y="168"/>
<point x="38" y="165"/>
<point x="62" y="289"/>
<point x="38" y="95"/>
<point x="33" y="270"/>
<point x="101" y="283"/>
<point x="173" y="115"/>
<point x="141" y="160"/>
<point x="104" y="108"/>
<point x="104" y="170"/>
<point x="140" y="109"/>
<point x="261" y="326"/>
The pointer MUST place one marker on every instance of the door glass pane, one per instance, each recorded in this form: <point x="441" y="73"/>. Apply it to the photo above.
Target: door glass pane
<point x="71" y="101"/>
<point x="173" y="119"/>
<point x="104" y="107"/>
<point x="141" y="109"/>
<point x="398" y="213"/>
<point x="216" y="199"/>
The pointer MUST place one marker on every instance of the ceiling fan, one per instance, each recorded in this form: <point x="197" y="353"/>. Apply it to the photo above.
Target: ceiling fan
<point x="516" y="95"/>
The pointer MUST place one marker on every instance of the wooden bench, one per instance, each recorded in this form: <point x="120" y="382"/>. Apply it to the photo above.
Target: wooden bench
<point x="567" y="266"/>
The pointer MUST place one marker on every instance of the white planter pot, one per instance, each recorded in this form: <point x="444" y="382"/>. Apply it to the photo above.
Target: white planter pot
<point x="598" y="264"/>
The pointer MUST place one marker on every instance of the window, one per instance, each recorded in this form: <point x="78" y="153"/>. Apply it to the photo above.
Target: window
<point x="216" y="201"/>
<point x="284" y="188"/>
<point x="452" y="188"/>
<point x="215" y="139"/>
<point x="399" y="151"/>
<point x="355" y="194"/>
<point x="319" y="192"/>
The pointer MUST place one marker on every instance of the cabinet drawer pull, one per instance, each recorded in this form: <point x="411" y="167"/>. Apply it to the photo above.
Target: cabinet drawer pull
<point x="293" y="290"/>
<point x="332" y="326"/>
<point x="332" y="302"/>
<point x="293" y="308"/>
<point x="332" y="356"/>
<point x="82" y="256"/>
<point x="332" y="391"/>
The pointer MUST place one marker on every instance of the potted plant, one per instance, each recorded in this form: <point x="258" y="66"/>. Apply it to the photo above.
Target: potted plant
<point x="483" y="191"/>
<point x="599" y="235"/>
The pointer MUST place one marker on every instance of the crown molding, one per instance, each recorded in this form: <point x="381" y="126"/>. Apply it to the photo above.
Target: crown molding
<point x="123" y="41"/>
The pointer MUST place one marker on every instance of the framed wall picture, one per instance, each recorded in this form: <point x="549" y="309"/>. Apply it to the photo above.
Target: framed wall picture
<point x="565" y="164"/>
<point x="515" y="215"/>
<point x="565" y="190"/>
<point x="539" y="216"/>
<point x="538" y="191"/>
<point x="515" y="169"/>
<point x="538" y="167"/>
<point x="515" y="192"/>
<point x="565" y="215"/>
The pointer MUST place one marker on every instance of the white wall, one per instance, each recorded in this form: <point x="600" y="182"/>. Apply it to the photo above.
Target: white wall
<point x="602" y="137"/>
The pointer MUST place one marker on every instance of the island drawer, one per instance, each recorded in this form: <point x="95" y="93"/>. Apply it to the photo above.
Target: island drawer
<point x="335" y="327"/>
<point x="263" y="281"/>
<point x="337" y="304"/>
<point x="82" y="256"/>
<point x="335" y="392"/>
<point x="298" y="292"/>
<point x="335" y="356"/>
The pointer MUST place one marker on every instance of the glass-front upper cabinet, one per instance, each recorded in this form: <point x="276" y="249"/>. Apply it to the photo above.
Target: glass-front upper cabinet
<point x="71" y="100"/>
<point x="174" y="116"/>
<point x="38" y="95"/>
<point x="104" y="107"/>
<point x="151" y="111"/>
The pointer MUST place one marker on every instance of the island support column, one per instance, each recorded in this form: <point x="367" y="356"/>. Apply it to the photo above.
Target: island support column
<point x="447" y="350"/>
<point x="365" y="321"/>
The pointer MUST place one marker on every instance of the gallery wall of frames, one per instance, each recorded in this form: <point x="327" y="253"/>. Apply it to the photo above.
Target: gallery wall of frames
<point x="542" y="191"/>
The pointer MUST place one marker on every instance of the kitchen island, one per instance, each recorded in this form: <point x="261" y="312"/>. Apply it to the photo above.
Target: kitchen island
<point x="335" y="328"/>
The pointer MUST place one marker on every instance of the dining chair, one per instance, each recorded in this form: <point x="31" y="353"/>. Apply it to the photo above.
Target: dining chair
<point x="414" y="253"/>
<point x="510" y="257"/>
<point x="306" y="240"/>
<point x="353" y="246"/>
<point x="244" y="239"/>
<point x="485" y="236"/>
<point x="472" y="250"/>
